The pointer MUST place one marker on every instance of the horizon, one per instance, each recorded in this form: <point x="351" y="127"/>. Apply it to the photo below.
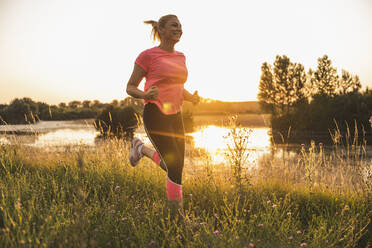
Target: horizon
<point x="60" y="51"/>
<point x="206" y="100"/>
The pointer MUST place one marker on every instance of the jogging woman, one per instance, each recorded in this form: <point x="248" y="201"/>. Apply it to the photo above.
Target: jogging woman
<point x="165" y="72"/>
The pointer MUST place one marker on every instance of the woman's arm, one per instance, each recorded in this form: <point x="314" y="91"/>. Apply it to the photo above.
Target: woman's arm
<point x="132" y="87"/>
<point x="194" y="98"/>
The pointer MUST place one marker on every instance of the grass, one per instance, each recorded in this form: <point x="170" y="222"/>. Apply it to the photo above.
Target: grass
<point x="91" y="197"/>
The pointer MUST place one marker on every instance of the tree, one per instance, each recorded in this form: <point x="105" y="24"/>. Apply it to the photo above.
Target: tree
<point x="282" y="86"/>
<point x="348" y="83"/>
<point x="44" y="111"/>
<point x="298" y="80"/>
<point x="137" y="104"/>
<point x="74" y="104"/>
<point x="21" y="111"/>
<point x="62" y="105"/>
<point x="281" y="82"/>
<point x="115" y="103"/>
<point x="267" y="92"/>
<point x="97" y="104"/>
<point x="325" y="78"/>
<point x="86" y="104"/>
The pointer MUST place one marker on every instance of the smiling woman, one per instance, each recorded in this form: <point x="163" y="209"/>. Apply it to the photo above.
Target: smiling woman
<point x="165" y="72"/>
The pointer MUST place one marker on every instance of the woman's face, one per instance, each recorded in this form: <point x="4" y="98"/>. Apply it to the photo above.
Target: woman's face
<point x="172" y="30"/>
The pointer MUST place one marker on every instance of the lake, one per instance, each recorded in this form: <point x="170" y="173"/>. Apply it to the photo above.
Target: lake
<point x="211" y="139"/>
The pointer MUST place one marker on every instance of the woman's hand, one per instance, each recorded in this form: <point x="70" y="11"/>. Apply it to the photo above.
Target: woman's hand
<point x="152" y="93"/>
<point x="195" y="98"/>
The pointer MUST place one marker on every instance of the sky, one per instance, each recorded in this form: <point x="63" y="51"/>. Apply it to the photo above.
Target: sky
<point x="62" y="50"/>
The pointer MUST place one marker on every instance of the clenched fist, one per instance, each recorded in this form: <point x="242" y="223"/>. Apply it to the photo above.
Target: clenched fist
<point x="152" y="93"/>
<point x="195" y="98"/>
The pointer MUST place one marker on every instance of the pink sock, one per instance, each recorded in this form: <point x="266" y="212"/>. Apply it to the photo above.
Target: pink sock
<point x="156" y="158"/>
<point x="174" y="190"/>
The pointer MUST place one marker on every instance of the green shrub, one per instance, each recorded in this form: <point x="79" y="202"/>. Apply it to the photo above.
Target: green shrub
<point x="117" y="122"/>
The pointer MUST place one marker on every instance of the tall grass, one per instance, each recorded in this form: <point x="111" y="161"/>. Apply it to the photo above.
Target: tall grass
<point x="84" y="196"/>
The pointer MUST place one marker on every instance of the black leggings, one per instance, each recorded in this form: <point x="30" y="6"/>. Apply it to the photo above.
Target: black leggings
<point x="167" y="135"/>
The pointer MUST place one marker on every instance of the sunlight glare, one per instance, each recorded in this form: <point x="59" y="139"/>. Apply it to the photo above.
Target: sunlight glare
<point x="66" y="137"/>
<point x="214" y="140"/>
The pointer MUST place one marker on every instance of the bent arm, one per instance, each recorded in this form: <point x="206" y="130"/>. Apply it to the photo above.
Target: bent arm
<point x="132" y="86"/>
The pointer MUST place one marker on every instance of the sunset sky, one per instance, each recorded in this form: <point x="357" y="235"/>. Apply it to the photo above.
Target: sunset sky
<point x="61" y="50"/>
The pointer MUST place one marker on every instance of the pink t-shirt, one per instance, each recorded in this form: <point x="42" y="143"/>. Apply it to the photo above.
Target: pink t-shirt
<point x="168" y="72"/>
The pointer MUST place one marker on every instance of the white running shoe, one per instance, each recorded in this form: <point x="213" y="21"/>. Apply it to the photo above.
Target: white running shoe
<point x="134" y="154"/>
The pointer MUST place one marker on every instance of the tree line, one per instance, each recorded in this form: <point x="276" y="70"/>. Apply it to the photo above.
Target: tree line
<point x="313" y="104"/>
<point x="25" y="110"/>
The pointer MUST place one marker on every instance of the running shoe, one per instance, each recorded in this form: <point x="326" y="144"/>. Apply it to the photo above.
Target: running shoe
<point x="134" y="154"/>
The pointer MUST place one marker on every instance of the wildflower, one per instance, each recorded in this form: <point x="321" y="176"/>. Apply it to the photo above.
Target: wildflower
<point x="274" y="205"/>
<point x="299" y="232"/>
<point x="216" y="232"/>
<point x="152" y="243"/>
<point x="290" y="237"/>
<point x="124" y="219"/>
<point x="303" y="244"/>
<point x="268" y="202"/>
<point x="321" y="144"/>
<point x="302" y="145"/>
<point x="117" y="187"/>
<point x="251" y="245"/>
<point x="260" y="225"/>
<point x="289" y="213"/>
<point x="18" y="205"/>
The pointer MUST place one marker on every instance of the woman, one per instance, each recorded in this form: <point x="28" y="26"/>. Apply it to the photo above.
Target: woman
<point x="165" y="72"/>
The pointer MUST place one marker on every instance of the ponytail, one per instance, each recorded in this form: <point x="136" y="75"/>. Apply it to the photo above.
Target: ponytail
<point x="155" y="29"/>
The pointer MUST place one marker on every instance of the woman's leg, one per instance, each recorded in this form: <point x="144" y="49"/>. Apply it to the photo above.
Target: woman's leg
<point x="154" y="155"/>
<point x="167" y="136"/>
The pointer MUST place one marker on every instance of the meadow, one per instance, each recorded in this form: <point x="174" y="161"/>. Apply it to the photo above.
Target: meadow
<point x="84" y="196"/>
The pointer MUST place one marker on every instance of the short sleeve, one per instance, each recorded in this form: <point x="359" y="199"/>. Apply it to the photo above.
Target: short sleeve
<point x="143" y="60"/>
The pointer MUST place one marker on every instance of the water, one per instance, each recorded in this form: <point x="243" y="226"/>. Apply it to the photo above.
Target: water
<point x="211" y="139"/>
<point x="50" y="133"/>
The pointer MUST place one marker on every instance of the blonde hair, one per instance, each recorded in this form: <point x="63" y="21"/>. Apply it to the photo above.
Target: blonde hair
<point x="156" y="24"/>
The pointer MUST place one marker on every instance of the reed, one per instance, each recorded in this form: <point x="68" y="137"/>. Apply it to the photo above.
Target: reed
<point x="81" y="196"/>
